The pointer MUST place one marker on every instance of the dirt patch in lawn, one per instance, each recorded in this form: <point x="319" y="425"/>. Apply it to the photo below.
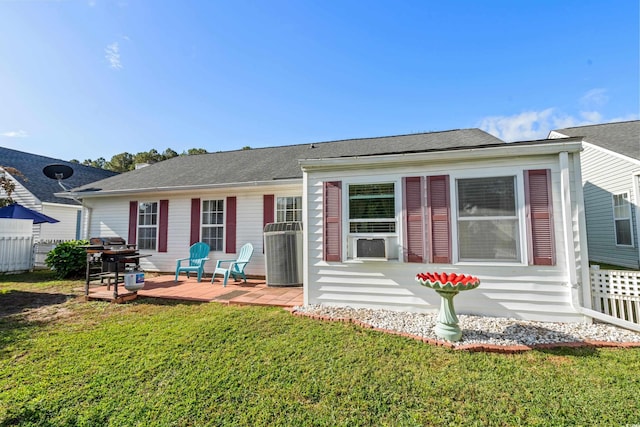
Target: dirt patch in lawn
<point x="34" y="306"/>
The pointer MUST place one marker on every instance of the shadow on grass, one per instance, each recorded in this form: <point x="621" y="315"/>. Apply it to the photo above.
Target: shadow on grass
<point x="14" y="302"/>
<point x="35" y="276"/>
<point x="21" y="311"/>
<point x="165" y="301"/>
<point x="539" y="338"/>
<point x="562" y="350"/>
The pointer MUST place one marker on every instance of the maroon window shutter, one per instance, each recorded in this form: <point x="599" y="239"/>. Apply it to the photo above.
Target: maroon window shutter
<point x="268" y="209"/>
<point x="539" y="211"/>
<point x="414" y="219"/>
<point x="195" y="221"/>
<point x="133" y="222"/>
<point x="230" y="226"/>
<point x="438" y="214"/>
<point x="163" y="223"/>
<point x="332" y="221"/>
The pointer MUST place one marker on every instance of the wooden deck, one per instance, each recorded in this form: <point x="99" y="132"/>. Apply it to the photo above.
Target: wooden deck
<point x="254" y="292"/>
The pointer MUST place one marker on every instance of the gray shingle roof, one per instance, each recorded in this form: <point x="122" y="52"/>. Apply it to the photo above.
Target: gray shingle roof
<point x="31" y="165"/>
<point x="621" y="137"/>
<point x="277" y="163"/>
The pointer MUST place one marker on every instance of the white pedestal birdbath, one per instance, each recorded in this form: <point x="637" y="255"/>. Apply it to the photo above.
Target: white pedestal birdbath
<point x="447" y="286"/>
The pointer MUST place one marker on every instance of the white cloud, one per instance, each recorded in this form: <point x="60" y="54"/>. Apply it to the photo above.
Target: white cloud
<point x="15" y="134"/>
<point x="594" y="98"/>
<point x="112" y="53"/>
<point x="532" y="125"/>
<point x="524" y="126"/>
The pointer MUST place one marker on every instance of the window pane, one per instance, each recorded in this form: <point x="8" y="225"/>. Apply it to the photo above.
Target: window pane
<point x="147" y="238"/>
<point x="372" y="227"/>
<point x="620" y="206"/>
<point x="212" y="212"/>
<point x="493" y="196"/>
<point x="371" y="201"/>
<point x="213" y="237"/>
<point x="289" y="209"/>
<point x="147" y="213"/>
<point x="488" y="240"/>
<point x="623" y="232"/>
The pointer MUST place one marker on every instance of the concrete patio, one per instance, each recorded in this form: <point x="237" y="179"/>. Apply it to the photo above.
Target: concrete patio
<point x="254" y="292"/>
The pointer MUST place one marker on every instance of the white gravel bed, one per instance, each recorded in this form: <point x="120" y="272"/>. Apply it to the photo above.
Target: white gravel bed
<point x="481" y="329"/>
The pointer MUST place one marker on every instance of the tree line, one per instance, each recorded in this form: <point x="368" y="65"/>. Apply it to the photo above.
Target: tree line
<point x="124" y="162"/>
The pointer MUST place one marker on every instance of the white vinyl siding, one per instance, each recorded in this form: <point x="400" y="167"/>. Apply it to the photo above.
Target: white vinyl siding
<point x="110" y="217"/>
<point x="513" y="289"/>
<point x="66" y="229"/>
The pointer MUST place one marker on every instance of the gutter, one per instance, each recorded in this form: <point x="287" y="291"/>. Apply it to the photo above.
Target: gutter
<point x="110" y="193"/>
<point x="572" y="145"/>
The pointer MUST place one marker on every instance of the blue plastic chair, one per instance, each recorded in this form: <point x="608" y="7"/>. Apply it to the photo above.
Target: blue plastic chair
<point x="236" y="266"/>
<point x="198" y="255"/>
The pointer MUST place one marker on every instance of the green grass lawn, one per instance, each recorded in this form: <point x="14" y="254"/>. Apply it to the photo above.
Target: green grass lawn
<point x="154" y="362"/>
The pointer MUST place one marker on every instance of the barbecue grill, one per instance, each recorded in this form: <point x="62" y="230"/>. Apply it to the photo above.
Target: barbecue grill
<point x="109" y="258"/>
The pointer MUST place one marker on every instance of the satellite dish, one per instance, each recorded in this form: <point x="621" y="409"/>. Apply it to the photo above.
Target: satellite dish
<point x="58" y="172"/>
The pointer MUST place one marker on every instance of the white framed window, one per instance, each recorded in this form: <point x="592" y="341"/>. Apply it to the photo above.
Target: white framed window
<point x="487" y="219"/>
<point x="213" y="224"/>
<point x="147" y="225"/>
<point x="622" y="219"/>
<point x="289" y="209"/>
<point x="372" y="221"/>
<point x="372" y="208"/>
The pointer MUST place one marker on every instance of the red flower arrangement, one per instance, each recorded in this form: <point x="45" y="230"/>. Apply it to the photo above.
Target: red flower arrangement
<point x="448" y="282"/>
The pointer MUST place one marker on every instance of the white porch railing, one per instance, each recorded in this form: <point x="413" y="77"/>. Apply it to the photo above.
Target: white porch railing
<point x="616" y="293"/>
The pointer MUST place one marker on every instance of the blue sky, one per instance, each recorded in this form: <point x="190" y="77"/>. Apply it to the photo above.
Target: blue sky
<point x="82" y="79"/>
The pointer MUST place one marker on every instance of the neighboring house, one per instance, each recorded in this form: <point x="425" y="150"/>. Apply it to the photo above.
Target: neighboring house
<point x="375" y="212"/>
<point x="611" y="186"/>
<point x="35" y="191"/>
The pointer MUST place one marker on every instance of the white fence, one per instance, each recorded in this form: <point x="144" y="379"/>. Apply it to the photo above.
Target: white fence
<point x="616" y="293"/>
<point x="16" y="245"/>
<point x="41" y="250"/>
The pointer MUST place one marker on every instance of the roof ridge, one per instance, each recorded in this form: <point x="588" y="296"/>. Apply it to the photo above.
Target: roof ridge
<point x="345" y="140"/>
<point x="56" y="160"/>
<point x="599" y="124"/>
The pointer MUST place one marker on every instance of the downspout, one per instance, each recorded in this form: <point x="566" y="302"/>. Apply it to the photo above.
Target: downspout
<point x="580" y="296"/>
<point x="86" y="220"/>
<point x="636" y="189"/>
<point x="305" y="238"/>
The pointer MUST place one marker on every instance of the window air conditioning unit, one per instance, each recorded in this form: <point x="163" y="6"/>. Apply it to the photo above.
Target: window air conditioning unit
<point x="371" y="248"/>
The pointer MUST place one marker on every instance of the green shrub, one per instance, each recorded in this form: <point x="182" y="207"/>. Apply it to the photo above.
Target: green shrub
<point x="68" y="259"/>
